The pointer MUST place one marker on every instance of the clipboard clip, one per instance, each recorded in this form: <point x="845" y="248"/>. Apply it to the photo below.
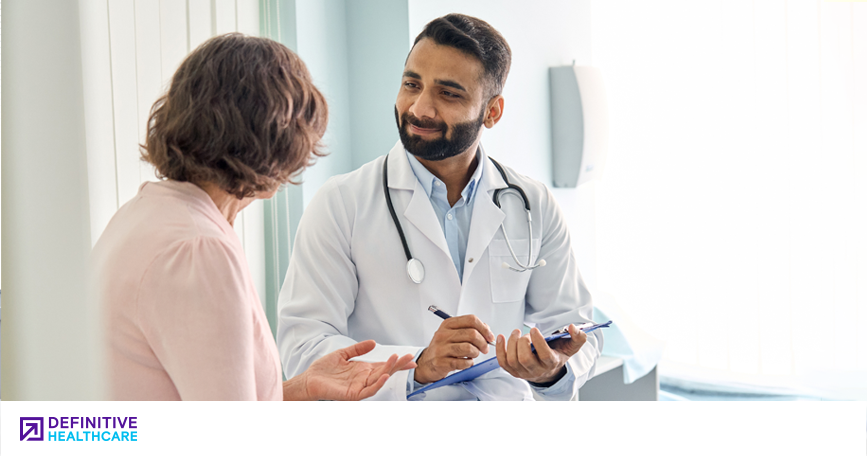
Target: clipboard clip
<point x="582" y="327"/>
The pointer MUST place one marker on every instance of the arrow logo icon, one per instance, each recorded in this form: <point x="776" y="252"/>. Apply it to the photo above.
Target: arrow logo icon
<point x="31" y="428"/>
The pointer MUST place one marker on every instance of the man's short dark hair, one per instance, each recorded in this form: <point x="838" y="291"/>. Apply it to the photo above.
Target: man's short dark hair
<point x="477" y="38"/>
<point x="242" y="113"/>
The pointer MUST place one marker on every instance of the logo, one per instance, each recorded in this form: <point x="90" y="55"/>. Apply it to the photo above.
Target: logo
<point x="32" y="428"/>
<point x="79" y="429"/>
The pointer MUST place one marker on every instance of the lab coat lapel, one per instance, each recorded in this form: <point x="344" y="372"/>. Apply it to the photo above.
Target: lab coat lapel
<point x="487" y="217"/>
<point x="419" y="212"/>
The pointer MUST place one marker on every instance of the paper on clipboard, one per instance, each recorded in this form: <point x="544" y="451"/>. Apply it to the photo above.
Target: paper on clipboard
<point x="490" y="364"/>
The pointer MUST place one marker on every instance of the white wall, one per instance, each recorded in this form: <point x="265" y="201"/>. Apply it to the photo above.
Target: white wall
<point x="49" y="337"/>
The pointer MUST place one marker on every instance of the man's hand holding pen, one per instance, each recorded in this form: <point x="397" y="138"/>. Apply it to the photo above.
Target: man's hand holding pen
<point x="453" y="347"/>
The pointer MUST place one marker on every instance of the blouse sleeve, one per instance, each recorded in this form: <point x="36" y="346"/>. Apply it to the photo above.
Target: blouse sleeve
<point x="193" y="311"/>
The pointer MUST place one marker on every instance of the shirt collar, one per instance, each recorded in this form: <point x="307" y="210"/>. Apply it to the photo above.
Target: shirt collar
<point x="427" y="179"/>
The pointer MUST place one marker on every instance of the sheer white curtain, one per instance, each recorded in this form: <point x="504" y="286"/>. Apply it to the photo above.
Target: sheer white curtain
<point x="732" y="217"/>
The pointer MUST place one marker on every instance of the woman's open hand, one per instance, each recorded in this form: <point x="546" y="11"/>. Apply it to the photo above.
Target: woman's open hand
<point x="334" y="377"/>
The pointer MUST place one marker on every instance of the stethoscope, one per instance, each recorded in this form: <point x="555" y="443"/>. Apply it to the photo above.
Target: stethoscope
<point x="415" y="268"/>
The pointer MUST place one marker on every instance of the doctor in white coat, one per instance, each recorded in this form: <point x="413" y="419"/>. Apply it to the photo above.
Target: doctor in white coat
<point x="348" y="278"/>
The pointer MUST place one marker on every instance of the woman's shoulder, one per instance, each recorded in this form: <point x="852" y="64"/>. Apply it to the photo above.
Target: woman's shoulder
<point x="168" y="211"/>
<point x="160" y="220"/>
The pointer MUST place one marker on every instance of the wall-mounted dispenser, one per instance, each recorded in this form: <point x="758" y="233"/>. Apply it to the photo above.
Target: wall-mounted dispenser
<point x="579" y="124"/>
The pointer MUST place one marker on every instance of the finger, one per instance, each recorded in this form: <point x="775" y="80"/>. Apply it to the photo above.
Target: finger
<point x="460" y="363"/>
<point x="357" y="350"/>
<point x="370" y="390"/>
<point x="380" y="368"/>
<point x="403" y="363"/>
<point x="501" y="350"/>
<point x="469" y="321"/>
<point x="545" y="354"/>
<point x="575" y="343"/>
<point x="512" y="351"/>
<point x="389" y="364"/>
<point x="463" y="350"/>
<point x="470" y="335"/>
<point x="526" y="358"/>
<point x="502" y="357"/>
<point x="464" y="321"/>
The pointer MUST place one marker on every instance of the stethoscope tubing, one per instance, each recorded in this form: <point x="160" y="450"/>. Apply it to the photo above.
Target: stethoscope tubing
<point x="415" y="268"/>
<point x="391" y="210"/>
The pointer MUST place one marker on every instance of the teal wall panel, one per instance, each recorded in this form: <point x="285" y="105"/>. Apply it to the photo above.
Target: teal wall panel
<point x="378" y="34"/>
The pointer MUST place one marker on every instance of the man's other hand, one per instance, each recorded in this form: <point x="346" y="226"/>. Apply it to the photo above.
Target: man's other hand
<point x="547" y="364"/>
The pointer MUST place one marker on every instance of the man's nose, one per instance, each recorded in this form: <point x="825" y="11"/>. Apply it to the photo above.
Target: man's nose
<point x="423" y="106"/>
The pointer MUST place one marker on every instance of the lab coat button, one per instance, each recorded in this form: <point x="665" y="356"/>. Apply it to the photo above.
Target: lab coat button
<point x="471" y="260"/>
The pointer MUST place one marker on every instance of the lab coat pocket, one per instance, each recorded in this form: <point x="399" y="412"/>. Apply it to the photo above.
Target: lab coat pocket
<point x="508" y="285"/>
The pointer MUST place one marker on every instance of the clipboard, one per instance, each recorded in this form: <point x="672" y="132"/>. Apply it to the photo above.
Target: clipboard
<point x="490" y="364"/>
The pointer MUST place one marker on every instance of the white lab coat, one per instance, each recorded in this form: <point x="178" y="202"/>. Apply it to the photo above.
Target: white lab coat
<point x="347" y="277"/>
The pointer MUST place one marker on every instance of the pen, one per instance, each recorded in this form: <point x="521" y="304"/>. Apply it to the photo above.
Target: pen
<point x="439" y="313"/>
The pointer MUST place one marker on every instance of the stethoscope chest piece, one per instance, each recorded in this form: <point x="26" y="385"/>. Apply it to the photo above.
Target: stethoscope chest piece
<point x="415" y="270"/>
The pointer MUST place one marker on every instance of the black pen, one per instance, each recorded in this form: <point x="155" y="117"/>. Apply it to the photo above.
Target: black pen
<point x="439" y="313"/>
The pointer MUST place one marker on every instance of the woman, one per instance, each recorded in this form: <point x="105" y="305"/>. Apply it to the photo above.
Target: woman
<point x="182" y="317"/>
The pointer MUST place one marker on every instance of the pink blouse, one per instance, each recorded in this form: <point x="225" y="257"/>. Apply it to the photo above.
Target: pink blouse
<point x="181" y="314"/>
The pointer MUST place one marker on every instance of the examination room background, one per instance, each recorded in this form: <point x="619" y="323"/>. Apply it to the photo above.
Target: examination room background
<point x="728" y="222"/>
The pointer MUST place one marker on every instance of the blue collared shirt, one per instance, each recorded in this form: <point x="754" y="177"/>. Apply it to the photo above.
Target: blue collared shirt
<point x="454" y="220"/>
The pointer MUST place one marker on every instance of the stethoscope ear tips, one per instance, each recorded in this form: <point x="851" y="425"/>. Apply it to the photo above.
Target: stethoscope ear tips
<point x="542" y="263"/>
<point x="505" y="265"/>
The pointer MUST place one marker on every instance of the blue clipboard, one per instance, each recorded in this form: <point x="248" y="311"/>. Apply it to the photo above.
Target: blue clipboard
<point x="490" y="364"/>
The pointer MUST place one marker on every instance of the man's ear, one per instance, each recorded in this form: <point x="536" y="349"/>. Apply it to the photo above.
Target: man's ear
<point x="494" y="111"/>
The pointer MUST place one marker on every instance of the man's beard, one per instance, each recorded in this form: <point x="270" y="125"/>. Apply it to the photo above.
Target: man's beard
<point x="463" y="136"/>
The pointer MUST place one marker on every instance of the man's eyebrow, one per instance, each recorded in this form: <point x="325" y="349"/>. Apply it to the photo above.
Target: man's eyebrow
<point x="452" y="84"/>
<point x="443" y="82"/>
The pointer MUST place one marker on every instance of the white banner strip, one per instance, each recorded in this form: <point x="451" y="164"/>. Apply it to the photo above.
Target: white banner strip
<point x="706" y="428"/>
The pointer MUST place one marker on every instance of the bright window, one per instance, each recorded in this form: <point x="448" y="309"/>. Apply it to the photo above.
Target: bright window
<point x="733" y="210"/>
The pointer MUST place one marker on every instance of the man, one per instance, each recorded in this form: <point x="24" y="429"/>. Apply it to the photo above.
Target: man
<point x="349" y="278"/>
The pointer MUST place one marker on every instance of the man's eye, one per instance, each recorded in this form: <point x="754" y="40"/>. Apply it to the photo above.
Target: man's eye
<point x="409" y="85"/>
<point x="450" y="94"/>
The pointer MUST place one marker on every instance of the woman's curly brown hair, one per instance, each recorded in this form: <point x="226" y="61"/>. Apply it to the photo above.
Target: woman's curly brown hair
<point x="241" y="113"/>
